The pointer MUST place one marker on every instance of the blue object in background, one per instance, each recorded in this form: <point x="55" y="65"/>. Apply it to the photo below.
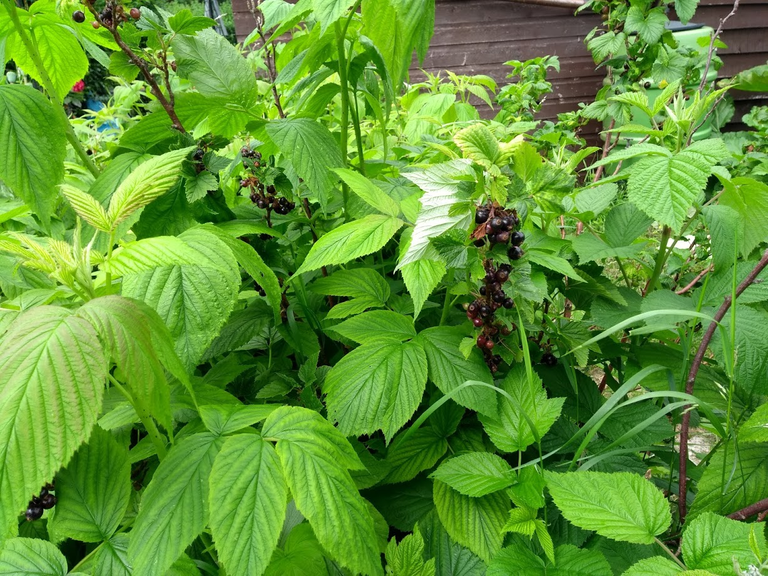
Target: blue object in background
<point x="97" y="105"/>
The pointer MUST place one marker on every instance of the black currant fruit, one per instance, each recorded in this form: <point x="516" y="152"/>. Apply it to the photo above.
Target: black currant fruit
<point x="48" y="501"/>
<point x="78" y="16"/>
<point x="505" y="268"/>
<point x="502" y="276"/>
<point x="481" y="215"/>
<point x="199" y="154"/>
<point x="482" y="341"/>
<point x="515" y="253"/>
<point x="499" y="297"/>
<point x="502" y="237"/>
<point x="493" y="239"/>
<point x="549" y="359"/>
<point x="485" y="310"/>
<point x="509" y="303"/>
<point x="497" y="223"/>
<point x="34" y="512"/>
<point x="135" y="13"/>
<point x="489" y="344"/>
<point x="479" y="243"/>
<point x="472" y="310"/>
<point x="483" y="290"/>
<point x="517" y="238"/>
<point x="477" y="322"/>
<point x="505" y="331"/>
<point x="95" y="25"/>
<point x="509" y="222"/>
<point x="496" y="359"/>
<point x="261" y="203"/>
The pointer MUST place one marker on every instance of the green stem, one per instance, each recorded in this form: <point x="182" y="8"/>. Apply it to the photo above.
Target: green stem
<point x="671" y="554"/>
<point x="358" y="133"/>
<point x="154" y="434"/>
<point x="661" y="258"/>
<point x="344" y="122"/>
<point x="108" y="278"/>
<point x="48" y="85"/>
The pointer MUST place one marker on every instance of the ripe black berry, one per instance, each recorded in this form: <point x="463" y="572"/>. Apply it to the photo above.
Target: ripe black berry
<point x="502" y="276"/>
<point x="497" y="223"/>
<point x="499" y="297"/>
<point x="34" y="512"/>
<point x="135" y="13"/>
<point x="198" y="155"/>
<point x="483" y="290"/>
<point x="509" y="222"/>
<point x="515" y="253"/>
<point x="517" y="238"/>
<point x="489" y="344"/>
<point x="479" y="243"/>
<point x="477" y="322"/>
<point x="78" y="16"/>
<point x="482" y="341"/>
<point x="505" y="268"/>
<point x="509" y="303"/>
<point x="48" y="501"/>
<point x="482" y="215"/>
<point x="549" y="359"/>
<point x="485" y="310"/>
<point x="502" y="237"/>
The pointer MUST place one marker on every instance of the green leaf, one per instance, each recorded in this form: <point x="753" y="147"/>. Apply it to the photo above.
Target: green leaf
<point x="184" y="22"/>
<point x="93" y="491"/>
<point x="746" y="473"/>
<point x="451" y="558"/>
<point x="751" y="348"/>
<point x="749" y="198"/>
<point x="350" y="241"/>
<point x="174" y="507"/>
<point x="377" y="326"/>
<point x="448" y="369"/>
<point x="216" y="69"/>
<point x="649" y="26"/>
<point x="624" y="224"/>
<point x="479" y="144"/>
<point x="376" y="386"/>
<point x="148" y="181"/>
<point x="353" y="283"/>
<point x="192" y="281"/>
<point x="726" y="229"/>
<point x="418" y="452"/>
<point x="421" y="278"/>
<point x="312" y="150"/>
<point x="369" y="192"/>
<point x="197" y="187"/>
<point x="124" y="328"/>
<point x="300" y="555"/>
<point x="62" y="56"/>
<point x="34" y="147"/>
<point x="407" y="557"/>
<point x="552" y="262"/>
<point x="52" y="374"/>
<point x="605" y="44"/>
<point x="685" y="9"/>
<point x="622" y="505"/>
<point x="509" y="430"/>
<point x="248" y="503"/>
<point x="521" y="521"/>
<point x="666" y="187"/>
<point x="223" y="420"/>
<point x="329" y="11"/>
<point x="713" y="543"/>
<point x="476" y="523"/>
<point x="440" y="184"/>
<point x="655" y="566"/>
<point x="120" y="65"/>
<point x="315" y="458"/>
<point x="112" y="557"/>
<point x="475" y="474"/>
<point x="755" y="429"/>
<point x="87" y="207"/>
<point x="31" y="557"/>
<point x="569" y="561"/>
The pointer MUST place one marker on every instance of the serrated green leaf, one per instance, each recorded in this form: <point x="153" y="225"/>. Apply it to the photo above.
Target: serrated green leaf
<point x="223" y="420"/>
<point x="353" y="283"/>
<point x="655" y="566"/>
<point x="622" y="506"/>
<point x="650" y="25"/>
<point x="751" y="353"/>
<point x="415" y="454"/>
<point x="406" y="558"/>
<point x="685" y="9"/>
<point x="569" y="561"/>
<point x="315" y="458"/>
<point x="93" y="491"/>
<point x="31" y="557"/>
<point x="145" y="183"/>
<point x="184" y="22"/>
<point x="552" y="262"/>
<point x="52" y="375"/>
<point x="509" y="429"/>
<point x="726" y="230"/>
<point x="451" y="558"/>
<point x="369" y="192"/>
<point x="376" y="386"/>
<point x="521" y="521"/>
<point x="377" y="326"/>
<point x="421" y="277"/>
<point x="479" y="144"/>
<point x="350" y="241"/>
<point x="755" y="429"/>
<point x="476" y="523"/>
<point x="475" y="474"/>
<point x="749" y="198"/>
<point x="329" y="11"/>
<point x="34" y="143"/>
<point x="448" y="369"/>
<point x="112" y="557"/>
<point x="713" y="543"/>
<point x="624" y="224"/>
<point x="174" y="507"/>
<point x="248" y="503"/>
<point x="87" y="207"/>
<point x="197" y="187"/>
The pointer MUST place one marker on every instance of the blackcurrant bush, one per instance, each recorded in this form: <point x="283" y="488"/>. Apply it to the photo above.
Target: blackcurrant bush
<point x="499" y="297"/>
<point x="517" y="238"/>
<point x="515" y="253"/>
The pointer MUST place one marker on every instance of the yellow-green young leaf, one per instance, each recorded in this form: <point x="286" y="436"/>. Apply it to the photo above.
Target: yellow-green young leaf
<point x="568" y="561"/>
<point x="377" y="326"/>
<point x="479" y="144"/>
<point x="622" y="506"/>
<point x="112" y="557"/>
<point x="249" y="497"/>
<point x="510" y="430"/>
<point x="476" y="474"/>
<point x="87" y="207"/>
<point x="316" y="458"/>
<point x="31" y="557"/>
<point x="406" y="558"/>
<point x="421" y="277"/>
<point x="369" y="192"/>
<point x="749" y="198"/>
<point x="377" y="386"/>
<point x="711" y="542"/>
<point x="124" y="329"/>
<point x="350" y="241"/>
<point x="174" y="507"/>
<point x="521" y="521"/>
<point x="34" y="145"/>
<point x="476" y="523"/>
<point x="148" y="181"/>
<point x="329" y="11"/>
<point x="658" y="566"/>
<point x="93" y="491"/>
<point x="52" y="375"/>
<point x="223" y="420"/>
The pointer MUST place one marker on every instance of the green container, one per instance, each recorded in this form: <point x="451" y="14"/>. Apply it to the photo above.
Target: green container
<point x="687" y="36"/>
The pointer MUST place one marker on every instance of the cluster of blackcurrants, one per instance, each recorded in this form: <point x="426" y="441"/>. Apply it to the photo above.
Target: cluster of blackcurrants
<point x="499" y="227"/>
<point x="549" y="359"/>
<point x="112" y="14"/>
<point x="482" y="311"/>
<point x="38" y="504"/>
<point x="265" y="198"/>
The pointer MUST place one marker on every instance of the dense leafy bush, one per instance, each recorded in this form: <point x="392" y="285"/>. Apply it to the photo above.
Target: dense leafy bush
<point x="281" y="313"/>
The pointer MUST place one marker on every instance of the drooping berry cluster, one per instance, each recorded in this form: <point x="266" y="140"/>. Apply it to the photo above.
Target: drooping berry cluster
<point x="499" y="226"/>
<point x="36" y="506"/>
<point x="111" y="16"/>
<point x="482" y="311"/>
<point x="265" y="197"/>
<point x="549" y="359"/>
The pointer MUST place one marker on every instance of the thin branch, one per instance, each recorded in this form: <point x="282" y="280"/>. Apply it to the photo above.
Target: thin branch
<point x="750" y="510"/>
<point x="598" y="174"/>
<point x="712" y="41"/>
<point x="270" y="57"/>
<point x="694" y="372"/>
<point x="693" y="282"/>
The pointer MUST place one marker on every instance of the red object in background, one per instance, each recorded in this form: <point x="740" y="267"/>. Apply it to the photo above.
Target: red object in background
<point x="79" y="86"/>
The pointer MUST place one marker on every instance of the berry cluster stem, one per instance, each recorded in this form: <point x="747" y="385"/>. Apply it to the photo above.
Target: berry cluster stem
<point x="48" y="85"/>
